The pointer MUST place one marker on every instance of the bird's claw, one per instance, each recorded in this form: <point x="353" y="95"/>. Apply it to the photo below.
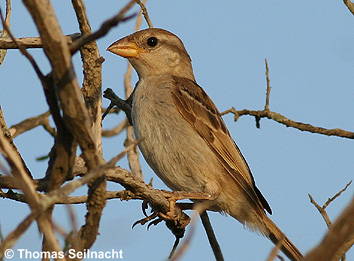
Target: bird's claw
<point x="143" y="221"/>
<point x="144" y="207"/>
<point x="153" y="219"/>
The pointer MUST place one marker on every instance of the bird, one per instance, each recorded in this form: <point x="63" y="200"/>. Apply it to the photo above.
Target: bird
<point x="183" y="136"/>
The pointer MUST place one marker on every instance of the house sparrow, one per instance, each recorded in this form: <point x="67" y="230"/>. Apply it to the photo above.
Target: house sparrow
<point x="184" y="139"/>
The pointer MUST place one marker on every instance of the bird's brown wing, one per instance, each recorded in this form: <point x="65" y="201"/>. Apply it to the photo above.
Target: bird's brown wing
<point x="197" y="108"/>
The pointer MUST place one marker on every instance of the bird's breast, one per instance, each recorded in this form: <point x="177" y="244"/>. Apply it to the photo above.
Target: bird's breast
<point x="172" y="148"/>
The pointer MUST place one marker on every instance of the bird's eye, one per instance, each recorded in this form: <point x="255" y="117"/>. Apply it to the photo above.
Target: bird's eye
<point x="152" y="41"/>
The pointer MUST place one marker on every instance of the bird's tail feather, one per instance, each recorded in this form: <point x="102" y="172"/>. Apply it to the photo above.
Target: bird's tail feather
<point x="276" y="235"/>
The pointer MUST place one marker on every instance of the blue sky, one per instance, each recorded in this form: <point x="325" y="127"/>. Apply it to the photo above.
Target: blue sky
<point x="310" y="49"/>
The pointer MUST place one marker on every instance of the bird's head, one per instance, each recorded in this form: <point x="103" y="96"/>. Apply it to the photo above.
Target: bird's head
<point x="154" y="52"/>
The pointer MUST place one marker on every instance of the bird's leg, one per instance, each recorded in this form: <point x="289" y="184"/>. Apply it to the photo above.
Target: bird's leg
<point x="179" y="195"/>
<point x="172" y="214"/>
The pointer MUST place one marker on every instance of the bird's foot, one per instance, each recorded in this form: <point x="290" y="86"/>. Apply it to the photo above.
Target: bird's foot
<point x="175" y="219"/>
<point x="180" y="195"/>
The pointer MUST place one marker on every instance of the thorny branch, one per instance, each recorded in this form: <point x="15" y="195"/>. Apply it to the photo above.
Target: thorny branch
<point x="322" y="209"/>
<point x="266" y="113"/>
<point x="338" y="240"/>
<point x="325" y="216"/>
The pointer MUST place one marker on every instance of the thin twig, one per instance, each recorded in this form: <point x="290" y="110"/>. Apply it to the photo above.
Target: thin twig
<point x="116" y="130"/>
<point x="275" y="250"/>
<point x="145" y="12"/>
<point x="322" y="209"/>
<point x="14" y="235"/>
<point x="338" y="240"/>
<point x="31" y="42"/>
<point x="211" y="236"/>
<point x="266" y="107"/>
<point x="53" y="197"/>
<point x="266" y="113"/>
<point x="3" y="33"/>
<point x="73" y="237"/>
<point x="198" y="208"/>
<point x="22" y="49"/>
<point x="133" y="156"/>
<point x="329" y="201"/>
<point x="30" y="123"/>
<point x="104" y="28"/>
<point x="28" y="188"/>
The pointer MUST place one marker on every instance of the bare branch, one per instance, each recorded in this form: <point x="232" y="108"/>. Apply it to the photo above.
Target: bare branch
<point x="330" y="200"/>
<point x="28" y="188"/>
<point x="324" y="214"/>
<point x="31" y="42"/>
<point x="116" y="130"/>
<point x="92" y="70"/>
<point x="133" y="156"/>
<point x="338" y="240"/>
<point x="350" y="5"/>
<point x="75" y="113"/>
<point x="198" y="208"/>
<point x="266" y="107"/>
<point x="145" y="12"/>
<point x="290" y="123"/>
<point x="22" y="50"/>
<point x="322" y="209"/>
<point x="211" y="237"/>
<point x="3" y="33"/>
<point x="30" y="123"/>
<point x="13" y="236"/>
<point x="104" y="29"/>
<point x="273" y="254"/>
<point x="8" y="136"/>
<point x="122" y="195"/>
<point x="266" y="113"/>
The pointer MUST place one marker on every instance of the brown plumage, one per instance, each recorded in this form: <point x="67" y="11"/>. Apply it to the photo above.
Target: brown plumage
<point x="186" y="142"/>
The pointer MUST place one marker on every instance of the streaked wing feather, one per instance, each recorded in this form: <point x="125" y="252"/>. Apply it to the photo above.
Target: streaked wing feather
<point x="197" y="108"/>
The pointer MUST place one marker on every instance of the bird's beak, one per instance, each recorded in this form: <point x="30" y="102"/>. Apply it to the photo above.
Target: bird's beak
<point x="124" y="48"/>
